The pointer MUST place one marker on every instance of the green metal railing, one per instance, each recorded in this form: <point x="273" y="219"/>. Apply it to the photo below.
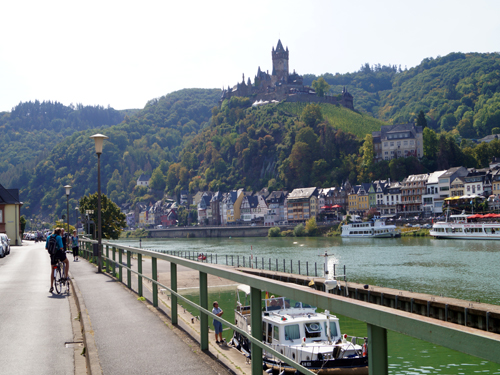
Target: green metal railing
<point x="378" y="318"/>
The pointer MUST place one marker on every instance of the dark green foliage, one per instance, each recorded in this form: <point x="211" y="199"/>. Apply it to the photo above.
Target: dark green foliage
<point x="112" y="219"/>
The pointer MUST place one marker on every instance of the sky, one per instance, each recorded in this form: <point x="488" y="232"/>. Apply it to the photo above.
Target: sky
<point x="125" y="53"/>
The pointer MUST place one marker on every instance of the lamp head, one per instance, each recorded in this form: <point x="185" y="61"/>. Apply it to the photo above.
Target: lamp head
<point x="68" y="189"/>
<point x="98" y="139"/>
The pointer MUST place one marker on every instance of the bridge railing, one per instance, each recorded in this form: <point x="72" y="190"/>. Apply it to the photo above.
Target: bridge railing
<point x="378" y="318"/>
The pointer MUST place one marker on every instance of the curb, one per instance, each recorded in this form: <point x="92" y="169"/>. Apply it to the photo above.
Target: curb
<point x="91" y="356"/>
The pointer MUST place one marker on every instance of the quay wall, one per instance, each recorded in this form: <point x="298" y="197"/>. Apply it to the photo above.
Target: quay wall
<point x="209" y="232"/>
<point x="475" y="314"/>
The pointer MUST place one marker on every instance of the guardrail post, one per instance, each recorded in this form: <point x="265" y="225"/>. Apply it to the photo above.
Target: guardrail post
<point x="139" y="276"/>
<point x="203" y="316"/>
<point x="120" y="267"/>
<point x="256" y="317"/>
<point x="154" y="266"/>
<point x="377" y="350"/>
<point x="173" y="286"/>
<point x="113" y="251"/>
<point x="129" y="274"/>
<point x="107" y="258"/>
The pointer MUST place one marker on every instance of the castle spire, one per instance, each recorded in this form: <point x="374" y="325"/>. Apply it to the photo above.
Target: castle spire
<point x="279" y="47"/>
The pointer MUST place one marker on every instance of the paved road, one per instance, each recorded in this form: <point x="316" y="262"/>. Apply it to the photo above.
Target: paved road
<point x="34" y="324"/>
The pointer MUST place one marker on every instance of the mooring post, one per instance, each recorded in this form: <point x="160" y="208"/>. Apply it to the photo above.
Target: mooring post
<point x="276" y="264"/>
<point x="284" y="268"/>
<point x="316" y="269"/>
<point x="307" y="268"/>
<point x="291" y="266"/>
<point x="173" y="286"/>
<point x="203" y="316"/>
<point x="299" y="267"/>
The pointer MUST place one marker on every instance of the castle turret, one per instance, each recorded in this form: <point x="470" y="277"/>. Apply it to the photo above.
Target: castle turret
<point x="280" y="63"/>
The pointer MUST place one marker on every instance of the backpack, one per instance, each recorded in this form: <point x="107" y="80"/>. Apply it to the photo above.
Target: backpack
<point x="52" y="246"/>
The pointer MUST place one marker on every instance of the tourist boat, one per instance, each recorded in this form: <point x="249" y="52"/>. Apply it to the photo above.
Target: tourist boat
<point x="466" y="227"/>
<point x="300" y="333"/>
<point x="369" y="229"/>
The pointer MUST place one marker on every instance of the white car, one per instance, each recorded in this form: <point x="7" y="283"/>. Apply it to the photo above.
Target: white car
<point x="4" y="245"/>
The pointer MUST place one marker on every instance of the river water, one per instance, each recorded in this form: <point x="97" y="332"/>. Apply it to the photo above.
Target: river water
<point x="453" y="268"/>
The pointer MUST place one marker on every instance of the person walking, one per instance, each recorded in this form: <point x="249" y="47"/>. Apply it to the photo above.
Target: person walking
<point x="74" y="241"/>
<point x="217" y="325"/>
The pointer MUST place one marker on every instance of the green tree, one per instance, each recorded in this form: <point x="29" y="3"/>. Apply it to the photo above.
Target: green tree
<point x="274" y="232"/>
<point x="112" y="219"/>
<point x="311" y="226"/>
<point x="421" y="120"/>
<point x="22" y="219"/>
<point x="158" y="180"/>
<point x="311" y="115"/>
<point x="430" y="143"/>
<point x="299" y="230"/>
<point x="367" y="151"/>
<point x="320" y="86"/>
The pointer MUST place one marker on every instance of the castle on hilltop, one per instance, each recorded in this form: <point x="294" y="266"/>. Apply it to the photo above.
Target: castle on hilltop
<point x="282" y="85"/>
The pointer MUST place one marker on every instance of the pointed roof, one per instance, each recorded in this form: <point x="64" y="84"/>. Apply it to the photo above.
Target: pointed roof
<point x="279" y="47"/>
<point x="9" y="196"/>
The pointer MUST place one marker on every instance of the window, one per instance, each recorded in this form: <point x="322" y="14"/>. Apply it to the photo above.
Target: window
<point x="292" y="332"/>
<point x="313" y="329"/>
<point x="405" y="143"/>
<point x="276" y="333"/>
<point x="392" y="144"/>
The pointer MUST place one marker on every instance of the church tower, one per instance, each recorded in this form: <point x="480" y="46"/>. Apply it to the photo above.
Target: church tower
<point x="280" y="63"/>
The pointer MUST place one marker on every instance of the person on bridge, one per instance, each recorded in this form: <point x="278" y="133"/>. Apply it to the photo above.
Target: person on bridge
<point x="59" y="255"/>
<point x="217" y="325"/>
<point x="74" y="241"/>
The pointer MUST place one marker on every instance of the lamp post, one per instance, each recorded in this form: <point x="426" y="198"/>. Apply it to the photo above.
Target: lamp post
<point x="76" y="219"/>
<point x="99" y="139"/>
<point x="68" y="189"/>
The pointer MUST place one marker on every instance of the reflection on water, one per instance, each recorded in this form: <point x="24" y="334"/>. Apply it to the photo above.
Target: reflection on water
<point x="454" y="268"/>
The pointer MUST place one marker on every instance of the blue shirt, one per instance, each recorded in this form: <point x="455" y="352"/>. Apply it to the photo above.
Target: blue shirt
<point x="75" y="240"/>
<point x="58" y="241"/>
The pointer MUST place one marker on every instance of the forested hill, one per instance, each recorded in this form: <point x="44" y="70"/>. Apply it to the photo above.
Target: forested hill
<point x="154" y="137"/>
<point x="32" y="129"/>
<point x="458" y="91"/>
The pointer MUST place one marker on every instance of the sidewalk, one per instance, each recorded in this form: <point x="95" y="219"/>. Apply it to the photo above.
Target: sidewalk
<point x="129" y="337"/>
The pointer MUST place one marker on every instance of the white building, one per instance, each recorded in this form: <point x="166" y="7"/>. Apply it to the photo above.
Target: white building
<point x="431" y="202"/>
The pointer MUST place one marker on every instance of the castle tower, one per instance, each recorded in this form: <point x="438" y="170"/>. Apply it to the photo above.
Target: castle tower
<point x="280" y="63"/>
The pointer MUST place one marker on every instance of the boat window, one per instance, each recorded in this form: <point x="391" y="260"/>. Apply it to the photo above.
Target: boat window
<point x="276" y="333"/>
<point x="313" y="329"/>
<point x="292" y="332"/>
<point x="333" y="329"/>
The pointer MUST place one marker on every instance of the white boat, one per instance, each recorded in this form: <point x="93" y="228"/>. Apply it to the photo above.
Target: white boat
<point x="298" y="332"/>
<point x="370" y="229"/>
<point x="464" y="227"/>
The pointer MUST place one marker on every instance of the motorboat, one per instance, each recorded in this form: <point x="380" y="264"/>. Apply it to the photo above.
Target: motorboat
<point x="296" y="330"/>
<point x="375" y="228"/>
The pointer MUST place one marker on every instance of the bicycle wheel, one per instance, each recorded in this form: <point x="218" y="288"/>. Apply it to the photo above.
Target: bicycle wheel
<point x="67" y="280"/>
<point x="57" y="280"/>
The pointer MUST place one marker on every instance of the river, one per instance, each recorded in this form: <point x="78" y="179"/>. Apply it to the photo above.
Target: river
<point x="454" y="268"/>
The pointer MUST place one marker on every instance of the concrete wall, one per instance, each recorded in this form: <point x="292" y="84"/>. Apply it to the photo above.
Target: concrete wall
<point x="209" y="232"/>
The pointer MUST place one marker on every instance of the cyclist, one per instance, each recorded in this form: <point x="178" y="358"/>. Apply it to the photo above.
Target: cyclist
<point x="60" y="255"/>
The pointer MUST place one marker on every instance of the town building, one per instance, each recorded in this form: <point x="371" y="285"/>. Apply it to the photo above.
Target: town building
<point x="204" y="209"/>
<point x="10" y="215"/>
<point x="398" y="141"/>
<point x="302" y="204"/>
<point x="253" y="209"/>
<point x="276" y="208"/>
<point x="143" y="180"/>
<point x="432" y="204"/>
<point x="412" y="189"/>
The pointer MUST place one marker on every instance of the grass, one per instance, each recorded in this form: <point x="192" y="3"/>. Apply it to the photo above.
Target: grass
<point x="339" y="117"/>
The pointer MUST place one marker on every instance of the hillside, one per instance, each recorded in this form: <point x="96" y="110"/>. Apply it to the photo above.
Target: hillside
<point x="458" y="91"/>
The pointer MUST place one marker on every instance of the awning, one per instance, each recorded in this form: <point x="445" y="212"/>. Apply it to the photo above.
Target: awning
<point x="476" y="216"/>
<point x="452" y="198"/>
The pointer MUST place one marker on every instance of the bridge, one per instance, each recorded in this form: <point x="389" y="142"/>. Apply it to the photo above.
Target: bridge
<point x="105" y="319"/>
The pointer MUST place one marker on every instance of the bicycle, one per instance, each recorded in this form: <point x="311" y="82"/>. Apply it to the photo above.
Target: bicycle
<point x="59" y="281"/>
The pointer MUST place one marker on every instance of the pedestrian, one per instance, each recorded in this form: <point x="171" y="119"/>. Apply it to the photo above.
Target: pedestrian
<point x="64" y="239"/>
<point x="74" y="241"/>
<point x="217" y="325"/>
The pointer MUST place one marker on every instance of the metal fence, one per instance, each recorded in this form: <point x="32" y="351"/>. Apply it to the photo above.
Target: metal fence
<point x="379" y="319"/>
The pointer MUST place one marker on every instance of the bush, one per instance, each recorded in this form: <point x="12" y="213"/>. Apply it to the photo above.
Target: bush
<point x="287" y="233"/>
<point x="274" y="232"/>
<point x="299" y="230"/>
<point x="311" y="227"/>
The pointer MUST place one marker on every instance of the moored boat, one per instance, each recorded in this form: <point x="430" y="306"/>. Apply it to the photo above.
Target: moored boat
<point x="371" y="229"/>
<point x="309" y="338"/>
<point x="468" y="227"/>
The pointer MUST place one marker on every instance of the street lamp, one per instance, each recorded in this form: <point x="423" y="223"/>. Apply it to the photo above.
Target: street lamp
<point x="68" y="189"/>
<point x="99" y="139"/>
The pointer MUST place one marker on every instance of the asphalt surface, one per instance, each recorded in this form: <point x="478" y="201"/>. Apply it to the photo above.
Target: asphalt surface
<point x="35" y="325"/>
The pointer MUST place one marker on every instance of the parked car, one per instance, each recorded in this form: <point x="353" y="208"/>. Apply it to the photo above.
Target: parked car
<point x="4" y="244"/>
